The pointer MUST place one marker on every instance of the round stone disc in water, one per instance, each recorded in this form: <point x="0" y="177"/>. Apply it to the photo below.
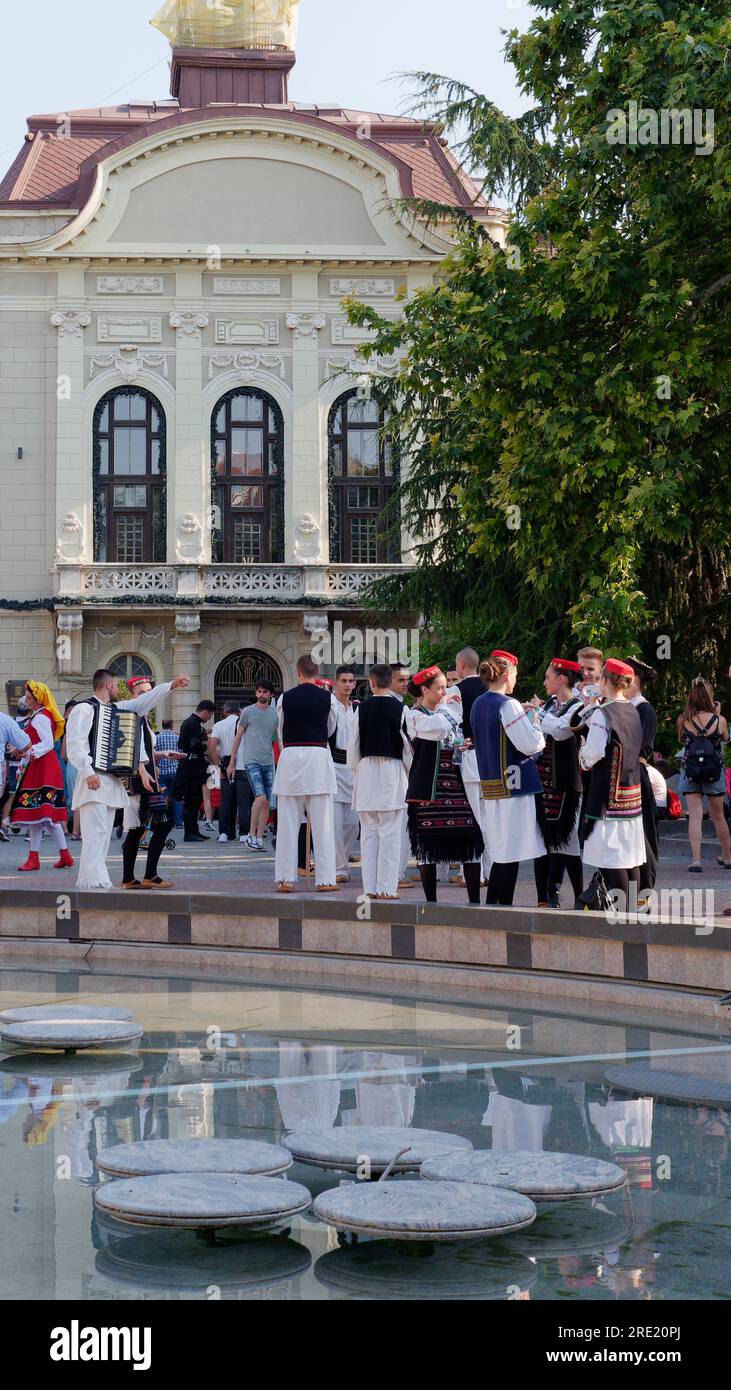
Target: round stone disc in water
<point x="154" y="1156"/>
<point x="200" y="1201"/>
<point x="161" y="1261"/>
<point x="350" y="1147"/>
<point x="419" y="1210"/>
<point x="546" y="1177"/>
<point x="670" y="1085"/>
<point x="66" y="1070"/>
<point x="50" y="1013"/>
<point x="378" y="1269"/>
<point x="72" y="1034"/>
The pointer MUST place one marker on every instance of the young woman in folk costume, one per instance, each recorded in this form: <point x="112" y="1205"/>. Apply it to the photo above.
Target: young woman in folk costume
<point x="644" y="677"/>
<point x="442" y="828"/>
<point x="560" y="774"/>
<point x="39" y="800"/>
<point x="613" y="836"/>
<point x="507" y="744"/>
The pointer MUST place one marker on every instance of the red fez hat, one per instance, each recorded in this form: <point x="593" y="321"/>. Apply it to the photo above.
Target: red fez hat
<point x="505" y="656"/>
<point x="422" y="676"/>
<point x="560" y="663"/>
<point x="324" y="682"/>
<point x="138" y="680"/>
<point x="617" y="668"/>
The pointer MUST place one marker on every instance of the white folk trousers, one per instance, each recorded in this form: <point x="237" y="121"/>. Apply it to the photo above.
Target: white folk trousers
<point x="290" y="810"/>
<point x="346" y="835"/>
<point x="96" y="824"/>
<point x="380" y="849"/>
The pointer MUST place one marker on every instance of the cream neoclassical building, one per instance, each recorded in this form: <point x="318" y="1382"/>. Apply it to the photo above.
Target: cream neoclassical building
<point x="191" y="479"/>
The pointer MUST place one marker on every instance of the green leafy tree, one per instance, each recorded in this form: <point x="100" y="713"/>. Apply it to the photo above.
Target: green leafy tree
<point x="563" y="404"/>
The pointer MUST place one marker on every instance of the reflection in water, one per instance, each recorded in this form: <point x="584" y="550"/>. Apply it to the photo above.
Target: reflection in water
<point x="367" y="1061"/>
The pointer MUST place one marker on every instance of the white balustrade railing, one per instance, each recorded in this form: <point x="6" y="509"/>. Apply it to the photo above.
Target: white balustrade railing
<point x="209" y="583"/>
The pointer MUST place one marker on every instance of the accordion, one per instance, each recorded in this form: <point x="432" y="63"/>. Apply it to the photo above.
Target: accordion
<point x="115" y="741"/>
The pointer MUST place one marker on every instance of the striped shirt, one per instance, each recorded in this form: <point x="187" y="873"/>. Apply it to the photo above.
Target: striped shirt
<point x="166" y="740"/>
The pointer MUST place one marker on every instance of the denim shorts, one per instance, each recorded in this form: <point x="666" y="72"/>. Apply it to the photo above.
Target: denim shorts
<point x="717" y="788"/>
<point x="261" y="779"/>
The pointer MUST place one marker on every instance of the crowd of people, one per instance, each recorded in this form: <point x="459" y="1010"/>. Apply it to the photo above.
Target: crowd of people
<point x="450" y="770"/>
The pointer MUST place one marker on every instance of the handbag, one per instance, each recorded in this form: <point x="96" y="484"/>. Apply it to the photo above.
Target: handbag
<point x="595" y="898"/>
<point x="157" y="807"/>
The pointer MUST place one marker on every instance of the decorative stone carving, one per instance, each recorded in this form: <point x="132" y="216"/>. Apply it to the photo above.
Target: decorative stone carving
<point x="129" y="361"/>
<point x="188" y="539"/>
<point x="305" y="325"/>
<point x="363" y="289"/>
<point x="246" y="286"/>
<point x="70" y="543"/>
<point x="189" y="325"/>
<point x="72" y="622"/>
<point x="129" y="284"/>
<point x="142" y="330"/>
<point x="70" y="322"/>
<point x="246" y="363"/>
<point x="258" y="333"/>
<point x="135" y="581"/>
<point x="307" y="539"/>
<point x="344" y="332"/>
<point x="187" y="624"/>
<point x="350" y="582"/>
<point x="357" y="366"/>
<point x="266" y="581"/>
<point x="315" y="622"/>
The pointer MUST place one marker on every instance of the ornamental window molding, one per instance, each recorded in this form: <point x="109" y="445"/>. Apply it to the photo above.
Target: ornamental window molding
<point x="121" y="330"/>
<point x="129" y="361"/>
<point x="247" y="363"/>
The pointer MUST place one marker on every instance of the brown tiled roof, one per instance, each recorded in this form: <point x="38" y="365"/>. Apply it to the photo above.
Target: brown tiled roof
<point x="47" y="169"/>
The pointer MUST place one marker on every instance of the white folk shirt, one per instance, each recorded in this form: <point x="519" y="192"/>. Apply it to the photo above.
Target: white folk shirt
<point x="306" y="771"/>
<point x="379" y="784"/>
<point x="110" y="791"/>
<point x="347" y="716"/>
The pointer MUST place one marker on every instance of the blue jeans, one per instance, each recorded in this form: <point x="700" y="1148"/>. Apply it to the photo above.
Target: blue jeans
<point x="167" y="782"/>
<point x="261" y="779"/>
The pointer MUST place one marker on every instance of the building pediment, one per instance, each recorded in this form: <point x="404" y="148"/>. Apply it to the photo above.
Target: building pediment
<point x="265" y="184"/>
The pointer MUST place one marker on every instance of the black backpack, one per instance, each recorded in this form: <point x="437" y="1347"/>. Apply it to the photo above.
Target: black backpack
<point x="703" y="761"/>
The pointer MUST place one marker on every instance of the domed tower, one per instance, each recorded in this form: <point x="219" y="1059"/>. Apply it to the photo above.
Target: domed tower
<point x="232" y="51"/>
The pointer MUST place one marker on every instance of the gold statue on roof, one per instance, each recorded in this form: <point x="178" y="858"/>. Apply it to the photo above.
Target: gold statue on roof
<point x="228" y="23"/>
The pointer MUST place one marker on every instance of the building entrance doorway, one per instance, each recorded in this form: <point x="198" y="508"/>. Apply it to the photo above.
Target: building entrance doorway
<point x="237" y="676"/>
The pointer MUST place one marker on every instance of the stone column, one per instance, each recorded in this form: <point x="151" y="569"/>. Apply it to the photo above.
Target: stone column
<point x="306" y="483"/>
<point x="188" y="489"/>
<point x="186" y="645"/>
<point x="69" y="642"/>
<point x="72" y="467"/>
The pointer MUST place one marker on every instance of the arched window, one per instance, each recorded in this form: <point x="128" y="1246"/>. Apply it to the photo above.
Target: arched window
<point x="129" y="664"/>
<point x="363" y="475"/>
<point x="129" y="478"/>
<point x="247" y="446"/>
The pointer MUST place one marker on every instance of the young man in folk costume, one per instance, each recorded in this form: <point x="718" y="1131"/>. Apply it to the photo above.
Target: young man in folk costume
<point x="39" y="798"/>
<point x="507" y="744"/>
<point x="442" y="827"/>
<point x="305" y="779"/>
<point x="98" y="795"/>
<point x="147" y="805"/>
<point x="612" y="833"/>
<point x="471" y="687"/>
<point x="377" y="753"/>
<point x="560" y="774"/>
<point x="346" y="819"/>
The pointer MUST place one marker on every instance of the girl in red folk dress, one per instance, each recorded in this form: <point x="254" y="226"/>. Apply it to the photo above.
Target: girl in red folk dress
<point x="39" y="800"/>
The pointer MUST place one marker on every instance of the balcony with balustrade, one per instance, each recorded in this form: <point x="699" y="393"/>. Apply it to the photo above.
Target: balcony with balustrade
<point x="249" y="586"/>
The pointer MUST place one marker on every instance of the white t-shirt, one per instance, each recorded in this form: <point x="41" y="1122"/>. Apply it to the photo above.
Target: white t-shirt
<point x="225" y="732"/>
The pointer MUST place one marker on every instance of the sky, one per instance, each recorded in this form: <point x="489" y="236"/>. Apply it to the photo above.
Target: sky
<point x="84" y="53"/>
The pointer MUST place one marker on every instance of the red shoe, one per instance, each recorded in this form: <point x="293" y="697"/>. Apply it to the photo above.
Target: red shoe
<point x="64" y="861"/>
<point x="31" y="863"/>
